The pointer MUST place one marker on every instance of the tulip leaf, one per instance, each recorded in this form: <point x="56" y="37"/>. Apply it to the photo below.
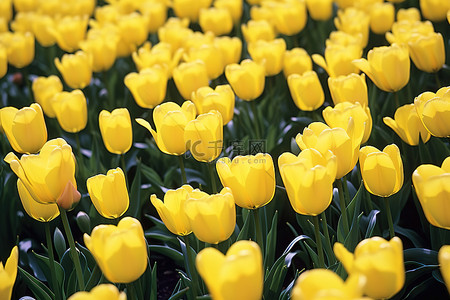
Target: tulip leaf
<point x="154" y="287"/>
<point x="243" y="234"/>
<point x="271" y="241"/>
<point x="40" y="290"/>
<point x="44" y="264"/>
<point x="135" y="193"/>
<point x="94" y="278"/>
<point x="88" y="255"/>
<point x="180" y="294"/>
<point x="187" y="283"/>
<point x="421" y="255"/>
<point x="151" y="175"/>
<point x="171" y="253"/>
<point x="412" y="235"/>
<point x="372" y="221"/>
<point x="60" y="243"/>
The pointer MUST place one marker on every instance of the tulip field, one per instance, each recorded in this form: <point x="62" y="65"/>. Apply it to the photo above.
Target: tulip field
<point x="224" y="149"/>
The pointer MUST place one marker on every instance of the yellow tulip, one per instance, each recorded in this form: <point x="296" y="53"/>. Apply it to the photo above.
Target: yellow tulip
<point x="170" y="121"/>
<point x="433" y="110"/>
<point x="308" y="179"/>
<point x="109" y="193"/>
<point x="410" y="14"/>
<point x="210" y="55"/>
<point x="353" y="21"/>
<point x="116" y="130"/>
<point x="23" y="22"/>
<point x="38" y="211"/>
<point x="189" y="8"/>
<point x="156" y="14"/>
<point x="24" y="128"/>
<point x="212" y="217"/>
<point x="148" y="87"/>
<point x="428" y="52"/>
<point x="19" y="48"/>
<point x="217" y="20"/>
<point x="306" y="90"/>
<point x="70" y="31"/>
<point x="382" y="16"/>
<point x="3" y="61"/>
<point x="270" y="54"/>
<point x="237" y="275"/>
<point x="405" y="31"/>
<point x="133" y="32"/>
<point x="407" y="125"/>
<point x="444" y="262"/>
<point x="44" y="88"/>
<point x="204" y="136"/>
<point x="175" y="32"/>
<point x="290" y="17"/>
<point x="6" y="10"/>
<point x="247" y="79"/>
<point x="251" y="178"/>
<point x="42" y="27"/>
<point x="49" y="176"/>
<point x="344" y="143"/>
<point x="380" y="261"/>
<point x="257" y="30"/>
<point x="338" y="59"/>
<point x="71" y="110"/>
<point x="320" y="10"/>
<point x="235" y="7"/>
<point x="221" y="99"/>
<point x="102" y="291"/>
<point x="160" y="54"/>
<point x="434" y="10"/>
<point x="190" y="76"/>
<point x="76" y="69"/>
<point x="387" y="66"/>
<point x="349" y="88"/>
<point x="431" y="184"/>
<point x="8" y="273"/>
<point x="231" y="48"/>
<point x="382" y="171"/>
<point x="172" y="212"/>
<point x="296" y="61"/>
<point x="319" y="284"/>
<point x="110" y="244"/>
<point x="102" y="47"/>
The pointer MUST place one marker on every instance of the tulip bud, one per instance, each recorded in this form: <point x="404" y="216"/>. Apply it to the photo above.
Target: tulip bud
<point x="71" y="110"/>
<point x="190" y="76"/>
<point x="220" y="99"/>
<point x="306" y="90"/>
<point x="269" y="54"/>
<point x="247" y="79"/>
<point x="38" y="211"/>
<point x="444" y="262"/>
<point x="76" y="69"/>
<point x="296" y="61"/>
<point x="428" y="52"/>
<point x="44" y="88"/>
<point x="148" y="87"/>
<point x="257" y="30"/>
<point x="116" y="130"/>
<point x="102" y="291"/>
<point x="83" y="222"/>
<point x="349" y="88"/>
<point x="320" y="10"/>
<point x="8" y="273"/>
<point x="216" y="20"/>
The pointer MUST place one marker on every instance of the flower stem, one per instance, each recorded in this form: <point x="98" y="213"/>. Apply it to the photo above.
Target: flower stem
<point x="183" y="171"/>
<point x="255" y="119"/>
<point x="389" y="217"/>
<point x="343" y="205"/>
<point x="438" y="82"/>
<point x="73" y="250"/>
<point x="124" y="167"/>
<point x="51" y="258"/>
<point x="191" y="266"/>
<point x="327" y="237"/>
<point x="259" y="236"/>
<point x="318" y="242"/>
<point x="213" y="179"/>
<point x="131" y="292"/>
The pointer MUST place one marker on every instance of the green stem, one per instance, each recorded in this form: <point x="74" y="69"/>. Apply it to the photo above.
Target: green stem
<point x="255" y="119"/>
<point x="124" y="167"/>
<point x="213" y="179"/>
<point x="51" y="258"/>
<point x="343" y="205"/>
<point x="191" y="267"/>
<point x="389" y="217"/>
<point x="183" y="171"/>
<point x="73" y="250"/>
<point x="259" y="236"/>
<point x="318" y="242"/>
<point x="80" y="155"/>
<point x="131" y="292"/>
<point x="327" y="237"/>
<point x="438" y="82"/>
<point x="397" y="101"/>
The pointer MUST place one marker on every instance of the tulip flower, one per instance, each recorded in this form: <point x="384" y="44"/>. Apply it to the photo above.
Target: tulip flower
<point x="433" y="110"/>
<point x="296" y="61"/>
<point x="320" y="10"/>
<point x="76" y="69"/>
<point x="24" y="128"/>
<point x="380" y="261"/>
<point x="3" y="61"/>
<point x="231" y="48"/>
<point x="319" y="284"/>
<point x="116" y="130"/>
<point x="19" y="48"/>
<point x="349" y="88"/>
<point x="411" y="14"/>
<point x="109" y="244"/>
<point x="217" y="20"/>
<point x="431" y="185"/>
<point x="155" y="13"/>
<point x="8" y="274"/>
<point x="387" y="66"/>
<point x="251" y="178"/>
<point x="170" y="121"/>
<point x="204" y="136"/>
<point x="382" y="16"/>
<point x="306" y="90"/>
<point x="407" y="125"/>
<point x="190" y="76"/>
<point x="434" y="10"/>
<point x="247" y="79"/>
<point x="71" y="110"/>
<point x="257" y="30"/>
<point x="109" y="193"/>
<point x="405" y="31"/>
<point x="308" y="179"/>
<point x="237" y="275"/>
<point x="210" y="55"/>
<point x="382" y="171"/>
<point x="428" y="52"/>
<point x="148" y="87"/>
<point x="174" y="32"/>
<point x="102" y="291"/>
<point x="221" y="99"/>
<point x="269" y="54"/>
<point x="212" y="217"/>
<point x="338" y="59"/>
<point x="160" y="54"/>
<point x="49" y="176"/>
<point x="172" y="212"/>
<point x="70" y="31"/>
<point x="44" y="88"/>
<point x="235" y="7"/>
<point x="38" y="211"/>
<point x="6" y="10"/>
<point x="133" y="32"/>
<point x="353" y="21"/>
<point x="43" y="27"/>
<point x="444" y="262"/>
<point x="290" y="17"/>
<point x="341" y="38"/>
<point x="102" y="46"/>
<point x="189" y="8"/>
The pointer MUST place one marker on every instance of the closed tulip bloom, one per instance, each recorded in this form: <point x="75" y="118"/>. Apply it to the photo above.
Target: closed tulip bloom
<point x="308" y="179"/>
<point x="320" y="10"/>
<point x="433" y="110"/>
<point x="434" y="10"/>
<point x="382" y="171"/>
<point x="290" y="17"/>
<point x="71" y="110"/>
<point x="349" y="88"/>
<point x="24" y="128"/>
<point x="402" y="32"/>
<point x="237" y="275"/>
<point x="407" y="125"/>
<point x="428" y="52"/>
<point x="354" y="21"/>
<point x="172" y="212"/>
<point x="247" y="79"/>
<point x="257" y="30"/>
<point x="102" y="291"/>
<point x="382" y="16"/>
<point x="306" y="90"/>
<point x="269" y="54"/>
<point x="189" y="8"/>
<point x="231" y="48"/>
<point x="212" y="217"/>
<point x="133" y="32"/>
<point x="42" y="27"/>
<point x="204" y="136"/>
<point x="70" y="31"/>
<point x="387" y="66"/>
<point x="3" y="61"/>
<point x="156" y="14"/>
<point x="210" y="55"/>
<point x="221" y="99"/>
<point x="76" y="69"/>
<point x="23" y="22"/>
<point x="235" y="7"/>
<point x="148" y="87"/>
<point x="38" y="211"/>
<point x="170" y="121"/>
<point x="380" y="261"/>
<point x="109" y="244"/>
<point x="109" y="193"/>
<point x="432" y="188"/>
<point x="411" y="14"/>
<point x="340" y="115"/>
<point x="49" y="176"/>
<point x="44" y="88"/>
<point x="338" y="59"/>
<point x="296" y="61"/>
<point x="20" y="49"/>
<point x="251" y="178"/>
<point x="175" y="32"/>
<point x="444" y="262"/>
<point x="102" y="47"/>
<point x="216" y="20"/>
<point x="160" y="54"/>
<point x="344" y="143"/>
<point x="190" y="76"/>
<point x="6" y="10"/>
<point x="8" y="274"/>
<point x="116" y="130"/>
<point x="319" y="284"/>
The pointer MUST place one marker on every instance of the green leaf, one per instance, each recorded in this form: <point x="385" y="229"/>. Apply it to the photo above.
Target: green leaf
<point x="179" y="294"/>
<point x="243" y="234"/>
<point x="151" y="175"/>
<point x="135" y="194"/>
<point x="44" y="264"/>
<point x="271" y="241"/>
<point x="40" y="290"/>
<point x="372" y="221"/>
<point x="60" y="243"/>
<point x="171" y="253"/>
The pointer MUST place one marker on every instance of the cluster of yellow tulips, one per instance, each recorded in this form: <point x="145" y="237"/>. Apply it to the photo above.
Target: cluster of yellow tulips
<point x="263" y="103"/>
